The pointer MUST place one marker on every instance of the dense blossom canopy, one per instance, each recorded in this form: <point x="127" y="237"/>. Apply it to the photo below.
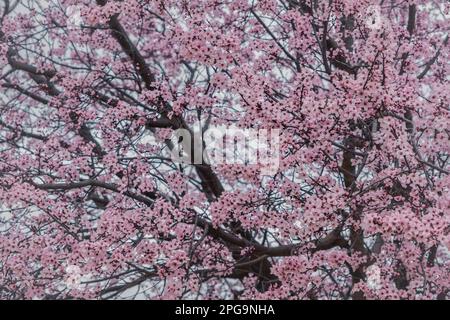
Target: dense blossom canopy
<point x="92" y="205"/>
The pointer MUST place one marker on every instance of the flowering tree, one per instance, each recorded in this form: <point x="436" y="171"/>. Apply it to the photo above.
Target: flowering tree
<point x="93" y="205"/>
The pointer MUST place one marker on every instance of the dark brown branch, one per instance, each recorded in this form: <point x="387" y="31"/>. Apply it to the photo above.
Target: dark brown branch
<point x="119" y="33"/>
<point x="430" y="63"/>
